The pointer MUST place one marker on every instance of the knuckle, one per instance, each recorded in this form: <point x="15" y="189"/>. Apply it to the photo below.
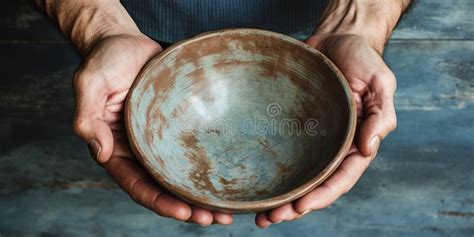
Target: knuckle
<point x="346" y="189"/>
<point x="135" y="199"/>
<point x="326" y="205"/>
<point x="330" y="193"/>
<point x="135" y="193"/>
<point x="394" y="83"/>
<point x="392" y="123"/>
<point x="274" y="217"/>
<point x="154" y="201"/>
<point x="85" y="77"/>
<point x="78" y="78"/>
<point x="387" y="74"/>
<point x="386" y="79"/>
<point x="79" y="126"/>
<point x="135" y="185"/>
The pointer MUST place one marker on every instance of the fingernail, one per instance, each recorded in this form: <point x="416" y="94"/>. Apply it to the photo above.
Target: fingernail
<point x="374" y="146"/>
<point x="95" y="146"/>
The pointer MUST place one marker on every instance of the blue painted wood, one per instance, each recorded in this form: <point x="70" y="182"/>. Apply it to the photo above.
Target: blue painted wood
<point x="22" y="21"/>
<point x="420" y="185"/>
<point x="438" y="19"/>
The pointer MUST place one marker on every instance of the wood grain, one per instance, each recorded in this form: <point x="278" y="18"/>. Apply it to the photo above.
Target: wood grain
<point x="420" y="185"/>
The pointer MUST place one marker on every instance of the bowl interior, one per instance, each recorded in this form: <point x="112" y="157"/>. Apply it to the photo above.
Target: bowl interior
<point x="237" y="117"/>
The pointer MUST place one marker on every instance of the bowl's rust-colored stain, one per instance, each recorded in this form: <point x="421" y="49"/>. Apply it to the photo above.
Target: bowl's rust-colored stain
<point x="227" y="182"/>
<point x="229" y="75"/>
<point x="282" y="169"/>
<point x="179" y="110"/>
<point x="200" y="162"/>
<point x="233" y="149"/>
<point x="262" y="192"/>
<point x="165" y="81"/>
<point x="266" y="147"/>
<point x="200" y="175"/>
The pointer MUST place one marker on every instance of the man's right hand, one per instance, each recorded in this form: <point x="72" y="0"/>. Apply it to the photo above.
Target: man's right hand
<point x="115" y="51"/>
<point x="101" y="87"/>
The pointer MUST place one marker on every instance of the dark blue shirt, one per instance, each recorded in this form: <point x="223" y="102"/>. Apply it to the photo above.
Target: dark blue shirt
<point x="174" y="20"/>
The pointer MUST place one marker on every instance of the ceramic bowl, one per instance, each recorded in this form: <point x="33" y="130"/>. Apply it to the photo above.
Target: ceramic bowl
<point x="240" y="120"/>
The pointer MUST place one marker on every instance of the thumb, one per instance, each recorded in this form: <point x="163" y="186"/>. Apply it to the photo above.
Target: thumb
<point x="91" y="97"/>
<point x="379" y="117"/>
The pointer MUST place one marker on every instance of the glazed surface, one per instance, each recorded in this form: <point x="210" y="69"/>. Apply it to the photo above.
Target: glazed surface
<point x="238" y="117"/>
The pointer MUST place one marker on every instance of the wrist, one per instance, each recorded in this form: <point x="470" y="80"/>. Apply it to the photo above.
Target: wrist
<point x="87" y="23"/>
<point x="372" y="20"/>
<point x="98" y="21"/>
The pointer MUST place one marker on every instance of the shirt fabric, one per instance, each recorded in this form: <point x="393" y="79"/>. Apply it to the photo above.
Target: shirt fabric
<point x="174" y="20"/>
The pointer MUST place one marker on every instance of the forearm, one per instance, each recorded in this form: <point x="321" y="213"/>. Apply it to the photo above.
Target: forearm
<point x="86" y="22"/>
<point x="372" y="19"/>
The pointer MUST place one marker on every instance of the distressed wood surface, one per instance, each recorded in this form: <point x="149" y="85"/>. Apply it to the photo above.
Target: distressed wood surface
<point x="421" y="184"/>
<point x="438" y="19"/>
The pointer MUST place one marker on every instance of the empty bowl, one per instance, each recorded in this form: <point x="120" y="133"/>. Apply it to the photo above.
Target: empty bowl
<point x="240" y="120"/>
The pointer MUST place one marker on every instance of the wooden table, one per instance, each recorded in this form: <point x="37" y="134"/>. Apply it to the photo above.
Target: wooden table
<point x="422" y="183"/>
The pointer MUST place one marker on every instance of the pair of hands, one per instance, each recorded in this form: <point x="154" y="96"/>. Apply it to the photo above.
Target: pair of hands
<point x="102" y="84"/>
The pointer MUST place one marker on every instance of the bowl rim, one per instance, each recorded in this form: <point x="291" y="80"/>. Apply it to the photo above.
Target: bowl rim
<point x="245" y="206"/>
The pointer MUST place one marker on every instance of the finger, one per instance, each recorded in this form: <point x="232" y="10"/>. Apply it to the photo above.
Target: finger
<point x="115" y="101"/>
<point x="91" y="96"/>
<point x="134" y="180"/>
<point x="379" y="118"/>
<point x="122" y="149"/>
<point x="113" y="117"/>
<point x="117" y="127"/>
<point x="353" y="149"/>
<point x="262" y="221"/>
<point x="283" y="213"/>
<point x="201" y="216"/>
<point x="223" y="218"/>
<point x="302" y="214"/>
<point x="343" y="179"/>
<point x="169" y="206"/>
<point x="115" y="108"/>
<point x="120" y="136"/>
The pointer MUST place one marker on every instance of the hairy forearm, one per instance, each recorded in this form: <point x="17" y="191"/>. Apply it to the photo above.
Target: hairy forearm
<point x="87" y="22"/>
<point x="371" y="19"/>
